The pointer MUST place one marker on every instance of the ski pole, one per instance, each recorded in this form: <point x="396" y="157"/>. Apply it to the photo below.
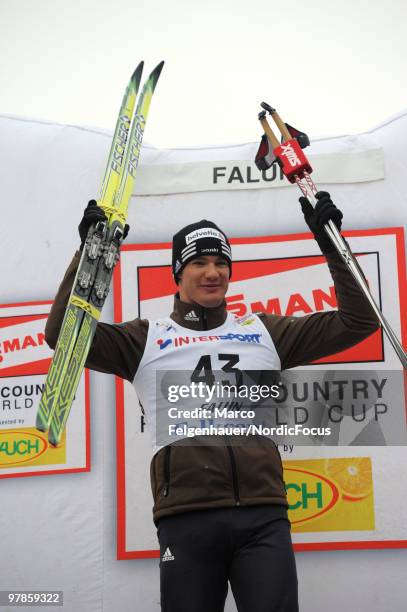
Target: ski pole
<point x="296" y="167"/>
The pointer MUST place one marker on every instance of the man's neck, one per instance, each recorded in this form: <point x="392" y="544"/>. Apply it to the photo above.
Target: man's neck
<point x="196" y="316"/>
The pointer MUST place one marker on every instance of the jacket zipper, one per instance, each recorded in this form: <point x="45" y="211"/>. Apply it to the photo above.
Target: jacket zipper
<point x="167" y="455"/>
<point x="234" y="474"/>
<point x="230" y="450"/>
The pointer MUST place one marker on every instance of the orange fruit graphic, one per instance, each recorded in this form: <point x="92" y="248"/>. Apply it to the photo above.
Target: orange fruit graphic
<point x="353" y="474"/>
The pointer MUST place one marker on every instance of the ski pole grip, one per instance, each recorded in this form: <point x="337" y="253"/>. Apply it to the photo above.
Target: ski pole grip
<point x="269" y="133"/>
<point x="281" y="126"/>
<point x="292" y="160"/>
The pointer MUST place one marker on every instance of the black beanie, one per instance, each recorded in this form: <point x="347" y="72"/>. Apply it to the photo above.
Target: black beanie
<point x="196" y="240"/>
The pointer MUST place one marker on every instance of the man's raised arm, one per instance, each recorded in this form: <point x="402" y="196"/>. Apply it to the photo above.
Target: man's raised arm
<point x="300" y="340"/>
<point x="116" y="349"/>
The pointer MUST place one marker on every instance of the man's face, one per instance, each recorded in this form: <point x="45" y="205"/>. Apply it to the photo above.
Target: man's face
<point x="204" y="280"/>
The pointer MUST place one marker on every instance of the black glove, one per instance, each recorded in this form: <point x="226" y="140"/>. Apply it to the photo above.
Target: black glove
<point x="92" y="214"/>
<point x="319" y="216"/>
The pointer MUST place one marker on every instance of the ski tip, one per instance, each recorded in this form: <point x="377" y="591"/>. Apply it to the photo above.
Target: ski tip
<point x="153" y="78"/>
<point x="136" y="76"/>
<point x="54" y="437"/>
<point x="41" y="423"/>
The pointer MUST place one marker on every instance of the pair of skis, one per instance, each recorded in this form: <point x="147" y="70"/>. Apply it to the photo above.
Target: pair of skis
<point x="296" y="168"/>
<point x="99" y="257"/>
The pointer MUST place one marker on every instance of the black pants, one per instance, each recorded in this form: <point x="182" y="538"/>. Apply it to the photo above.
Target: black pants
<point x="248" y="546"/>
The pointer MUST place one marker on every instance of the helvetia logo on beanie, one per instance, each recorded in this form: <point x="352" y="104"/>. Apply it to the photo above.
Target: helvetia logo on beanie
<point x="204" y="232"/>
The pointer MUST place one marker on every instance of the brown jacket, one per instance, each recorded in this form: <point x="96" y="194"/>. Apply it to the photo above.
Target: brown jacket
<point x="195" y="475"/>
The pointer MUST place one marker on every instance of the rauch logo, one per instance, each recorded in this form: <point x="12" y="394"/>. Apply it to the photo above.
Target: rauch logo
<point x="309" y="494"/>
<point x="20" y="447"/>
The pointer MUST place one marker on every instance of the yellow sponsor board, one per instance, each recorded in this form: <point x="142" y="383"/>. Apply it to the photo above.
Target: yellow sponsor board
<point x="330" y="494"/>
<point x="29" y="447"/>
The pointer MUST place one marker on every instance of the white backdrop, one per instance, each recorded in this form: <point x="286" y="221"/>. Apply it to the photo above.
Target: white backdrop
<point x="58" y="532"/>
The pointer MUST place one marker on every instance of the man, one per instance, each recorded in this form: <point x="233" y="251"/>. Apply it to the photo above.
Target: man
<point x="220" y="507"/>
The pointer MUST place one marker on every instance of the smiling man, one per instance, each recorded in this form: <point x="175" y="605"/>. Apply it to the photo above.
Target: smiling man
<point x="206" y="281"/>
<point x="221" y="507"/>
<point x="202" y="263"/>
